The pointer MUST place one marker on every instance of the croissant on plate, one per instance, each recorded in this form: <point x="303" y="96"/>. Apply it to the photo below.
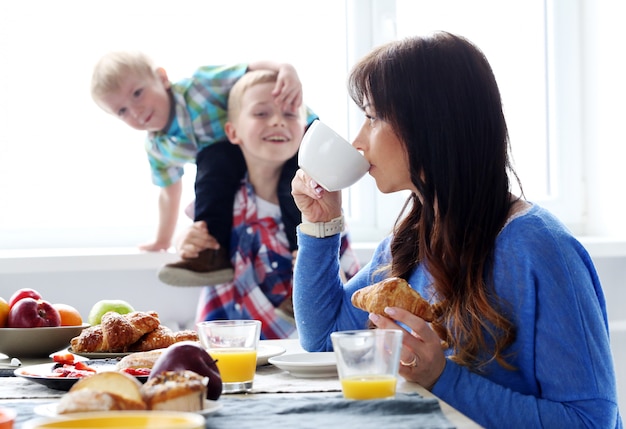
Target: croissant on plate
<point x="392" y="292"/>
<point x="116" y="332"/>
<point x="162" y="337"/>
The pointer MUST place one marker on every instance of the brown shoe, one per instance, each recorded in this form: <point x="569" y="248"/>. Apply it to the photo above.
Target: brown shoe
<point x="210" y="268"/>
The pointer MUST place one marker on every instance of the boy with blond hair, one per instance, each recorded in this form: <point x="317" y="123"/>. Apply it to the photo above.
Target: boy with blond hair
<point x="269" y="136"/>
<point x="185" y="123"/>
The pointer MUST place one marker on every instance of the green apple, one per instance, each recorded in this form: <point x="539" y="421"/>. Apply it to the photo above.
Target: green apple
<point x="101" y="307"/>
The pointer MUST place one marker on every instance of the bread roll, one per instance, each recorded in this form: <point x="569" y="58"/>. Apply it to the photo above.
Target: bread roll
<point x="139" y="360"/>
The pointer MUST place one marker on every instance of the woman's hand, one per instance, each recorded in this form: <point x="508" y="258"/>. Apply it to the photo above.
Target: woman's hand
<point x="196" y="239"/>
<point x="422" y="359"/>
<point x="315" y="203"/>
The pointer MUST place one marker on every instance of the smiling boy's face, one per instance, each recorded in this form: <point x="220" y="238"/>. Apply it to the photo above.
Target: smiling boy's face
<point x="142" y="102"/>
<point x="263" y="130"/>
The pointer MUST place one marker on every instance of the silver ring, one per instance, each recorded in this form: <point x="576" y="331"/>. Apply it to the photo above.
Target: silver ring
<point x="411" y="364"/>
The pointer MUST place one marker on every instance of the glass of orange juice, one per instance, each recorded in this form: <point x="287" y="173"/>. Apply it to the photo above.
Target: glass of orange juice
<point x="367" y="362"/>
<point x="233" y="344"/>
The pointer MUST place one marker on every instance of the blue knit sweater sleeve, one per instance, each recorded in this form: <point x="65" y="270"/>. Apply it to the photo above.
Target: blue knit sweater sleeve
<point x="549" y="288"/>
<point x="322" y="302"/>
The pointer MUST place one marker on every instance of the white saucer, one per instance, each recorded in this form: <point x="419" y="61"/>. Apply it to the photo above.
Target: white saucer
<point x="266" y="351"/>
<point x="307" y="365"/>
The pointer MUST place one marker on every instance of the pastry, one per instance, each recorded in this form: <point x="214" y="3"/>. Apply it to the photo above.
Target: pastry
<point x="139" y="360"/>
<point x="392" y="292"/>
<point x="134" y="332"/>
<point x="162" y="337"/>
<point x="105" y="391"/>
<point x="175" y="391"/>
<point x="115" y="333"/>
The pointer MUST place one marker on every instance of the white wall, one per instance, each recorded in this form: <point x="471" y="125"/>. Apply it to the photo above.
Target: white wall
<point x="81" y="281"/>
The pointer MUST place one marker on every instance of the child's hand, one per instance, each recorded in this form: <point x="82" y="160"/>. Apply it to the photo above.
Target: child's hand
<point x="195" y="240"/>
<point x="154" y="247"/>
<point x="288" y="89"/>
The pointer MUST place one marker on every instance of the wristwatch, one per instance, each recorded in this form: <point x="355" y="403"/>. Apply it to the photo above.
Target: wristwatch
<point x="322" y="229"/>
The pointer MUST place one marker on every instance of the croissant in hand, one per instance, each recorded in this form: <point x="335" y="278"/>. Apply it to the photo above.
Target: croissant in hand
<point x="392" y="292"/>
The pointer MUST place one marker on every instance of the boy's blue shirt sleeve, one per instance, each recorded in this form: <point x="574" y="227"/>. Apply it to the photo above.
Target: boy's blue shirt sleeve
<point x="564" y="374"/>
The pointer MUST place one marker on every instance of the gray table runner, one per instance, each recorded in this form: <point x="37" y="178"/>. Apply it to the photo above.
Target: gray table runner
<point x="281" y="412"/>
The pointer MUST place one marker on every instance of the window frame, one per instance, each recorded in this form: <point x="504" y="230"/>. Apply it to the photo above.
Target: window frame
<point x="371" y="214"/>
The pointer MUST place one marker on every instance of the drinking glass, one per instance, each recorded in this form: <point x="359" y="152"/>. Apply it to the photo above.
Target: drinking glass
<point x="233" y="344"/>
<point x="367" y="362"/>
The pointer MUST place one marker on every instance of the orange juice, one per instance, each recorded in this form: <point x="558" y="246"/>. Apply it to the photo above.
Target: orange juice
<point x="368" y="386"/>
<point x="235" y="365"/>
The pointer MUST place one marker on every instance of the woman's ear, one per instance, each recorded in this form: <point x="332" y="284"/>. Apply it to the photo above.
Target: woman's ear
<point x="231" y="133"/>
<point x="162" y="76"/>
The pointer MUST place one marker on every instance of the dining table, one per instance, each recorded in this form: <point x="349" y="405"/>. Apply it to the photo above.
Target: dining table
<point x="278" y="399"/>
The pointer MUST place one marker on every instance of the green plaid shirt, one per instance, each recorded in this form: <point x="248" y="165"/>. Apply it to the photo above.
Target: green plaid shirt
<point x="201" y="105"/>
<point x="201" y="111"/>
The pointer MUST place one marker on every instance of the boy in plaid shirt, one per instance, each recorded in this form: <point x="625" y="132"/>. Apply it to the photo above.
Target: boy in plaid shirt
<point x="185" y="123"/>
<point x="261" y="289"/>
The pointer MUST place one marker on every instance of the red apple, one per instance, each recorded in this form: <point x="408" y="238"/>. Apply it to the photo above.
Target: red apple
<point x="23" y="293"/>
<point x="33" y="313"/>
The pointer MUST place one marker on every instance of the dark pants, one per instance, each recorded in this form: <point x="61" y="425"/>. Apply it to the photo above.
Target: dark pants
<point x="220" y="168"/>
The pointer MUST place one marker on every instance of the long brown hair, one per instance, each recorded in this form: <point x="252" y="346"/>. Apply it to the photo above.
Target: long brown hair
<point x="440" y="96"/>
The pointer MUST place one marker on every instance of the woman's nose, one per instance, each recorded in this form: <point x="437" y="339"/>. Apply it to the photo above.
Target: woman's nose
<point x="359" y="141"/>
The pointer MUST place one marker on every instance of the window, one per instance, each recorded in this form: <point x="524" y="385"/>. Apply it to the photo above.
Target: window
<point x="513" y="37"/>
<point x="73" y="176"/>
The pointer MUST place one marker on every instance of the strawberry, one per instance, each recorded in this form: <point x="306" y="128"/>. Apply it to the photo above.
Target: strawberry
<point x="81" y="366"/>
<point x="66" y="358"/>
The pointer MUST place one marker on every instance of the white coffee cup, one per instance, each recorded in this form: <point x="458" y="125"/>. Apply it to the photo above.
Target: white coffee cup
<point x="330" y="159"/>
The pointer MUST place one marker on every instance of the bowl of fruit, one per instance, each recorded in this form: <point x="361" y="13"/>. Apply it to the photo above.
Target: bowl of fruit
<point x="31" y="326"/>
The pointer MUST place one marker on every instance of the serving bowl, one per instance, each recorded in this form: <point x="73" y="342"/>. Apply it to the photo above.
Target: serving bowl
<point x="37" y="342"/>
<point x="329" y="158"/>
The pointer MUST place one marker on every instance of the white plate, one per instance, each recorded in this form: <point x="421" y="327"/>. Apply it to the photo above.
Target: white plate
<point x="50" y="410"/>
<point x="307" y="365"/>
<point x="99" y="355"/>
<point x="43" y="374"/>
<point x="266" y="351"/>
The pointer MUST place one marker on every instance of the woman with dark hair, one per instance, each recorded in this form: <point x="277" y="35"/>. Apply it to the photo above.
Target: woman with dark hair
<point x="519" y="308"/>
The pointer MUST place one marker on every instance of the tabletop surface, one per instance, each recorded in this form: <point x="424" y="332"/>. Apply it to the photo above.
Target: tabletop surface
<point x="269" y="382"/>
